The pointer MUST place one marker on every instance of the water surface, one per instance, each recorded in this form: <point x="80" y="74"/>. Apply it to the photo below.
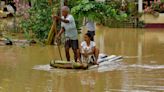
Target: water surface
<point x="141" y="70"/>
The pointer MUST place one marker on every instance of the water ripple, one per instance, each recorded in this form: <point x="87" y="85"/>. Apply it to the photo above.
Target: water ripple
<point x="145" y="66"/>
<point x="43" y="67"/>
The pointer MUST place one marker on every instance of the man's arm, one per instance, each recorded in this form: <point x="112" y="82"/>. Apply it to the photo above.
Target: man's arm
<point x="60" y="32"/>
<point x="59" y="18"/>
<point x="64" y="20"/>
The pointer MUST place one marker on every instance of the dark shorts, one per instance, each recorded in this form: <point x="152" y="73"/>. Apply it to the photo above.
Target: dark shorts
<point x="71" y="43"/>
<point x="92" y="33"/>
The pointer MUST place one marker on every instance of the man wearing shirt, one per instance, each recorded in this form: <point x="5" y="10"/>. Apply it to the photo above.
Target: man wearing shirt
<point x="68" y="27"/>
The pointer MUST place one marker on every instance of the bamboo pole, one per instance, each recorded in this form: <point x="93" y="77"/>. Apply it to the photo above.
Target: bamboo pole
<point x="52" y="33"/>
<point x="53" y="29"/>
<point x="61" y="5"/>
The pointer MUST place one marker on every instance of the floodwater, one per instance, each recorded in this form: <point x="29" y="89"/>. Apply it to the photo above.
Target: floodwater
<point x="26" y="69"/>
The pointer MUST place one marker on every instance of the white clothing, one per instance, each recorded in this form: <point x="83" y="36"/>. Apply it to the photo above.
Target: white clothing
<point x="90" y="25"/>
<point x="70" y="28"/>
<point x="87" y="49"/>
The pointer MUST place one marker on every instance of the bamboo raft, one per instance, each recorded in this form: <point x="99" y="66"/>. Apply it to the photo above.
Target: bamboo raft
<point x="103" y="59"/>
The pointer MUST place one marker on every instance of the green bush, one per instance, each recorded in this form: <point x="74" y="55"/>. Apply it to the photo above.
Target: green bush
<point x="39" y="21"/>
<point x="97" y="11"/>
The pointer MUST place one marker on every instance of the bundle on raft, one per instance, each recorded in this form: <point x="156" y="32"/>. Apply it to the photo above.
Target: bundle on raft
<point x="67" y="65"/>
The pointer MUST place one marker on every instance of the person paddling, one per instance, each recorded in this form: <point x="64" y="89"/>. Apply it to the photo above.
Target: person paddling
<point x="68" y="27"/>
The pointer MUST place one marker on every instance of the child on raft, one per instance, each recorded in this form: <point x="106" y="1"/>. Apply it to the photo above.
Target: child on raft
<point x="88" y="52"/>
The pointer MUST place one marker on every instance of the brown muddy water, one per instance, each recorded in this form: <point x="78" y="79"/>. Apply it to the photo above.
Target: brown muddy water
<point x="25" y="69"/>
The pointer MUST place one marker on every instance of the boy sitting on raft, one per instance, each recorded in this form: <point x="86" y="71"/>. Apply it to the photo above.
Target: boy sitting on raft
<point x="88" y="51"/>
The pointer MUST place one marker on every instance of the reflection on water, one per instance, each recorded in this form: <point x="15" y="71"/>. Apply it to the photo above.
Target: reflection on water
<point x="141" y="70"/>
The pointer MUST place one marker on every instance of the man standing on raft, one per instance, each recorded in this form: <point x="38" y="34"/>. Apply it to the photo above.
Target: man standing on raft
<point x="68" y="27"/>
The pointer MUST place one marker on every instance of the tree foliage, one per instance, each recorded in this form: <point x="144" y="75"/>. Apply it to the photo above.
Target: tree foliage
<point x="39" y="21"/>
<point x="97" y="11"/>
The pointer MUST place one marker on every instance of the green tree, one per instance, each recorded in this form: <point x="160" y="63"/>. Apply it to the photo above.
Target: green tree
<point x="39" y="21"/>
<point x="97" y="11"/>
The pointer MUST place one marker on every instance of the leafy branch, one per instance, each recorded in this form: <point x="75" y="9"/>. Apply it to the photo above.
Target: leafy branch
<point x="97" y="11"/>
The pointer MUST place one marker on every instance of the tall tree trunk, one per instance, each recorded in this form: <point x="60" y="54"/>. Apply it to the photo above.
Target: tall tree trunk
<point x="140" y="6"/>
<point x="149" y="2"/>
<point x="65" y="2"/>
<point x="50" y="2"/>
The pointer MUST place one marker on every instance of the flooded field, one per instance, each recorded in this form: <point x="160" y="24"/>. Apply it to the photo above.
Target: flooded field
<point x="26" y="69"/>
